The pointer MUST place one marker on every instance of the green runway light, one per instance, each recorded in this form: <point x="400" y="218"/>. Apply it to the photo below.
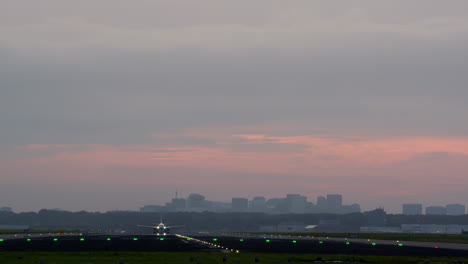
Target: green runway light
<point x="188" y="238"/>
<point x="241" y="240"/>
<point x="1" y="239"/>
<point x="29" y="240"/>
<point x="374" y="244"/>
<point x="55" y="239"/>
<point x="162" y="238"/>
<point x="108" y="239"/>
<point x="82" y="239"/>
<point x="400" y="245"/>
<point x="215" y="239"/>
<point x="268" y="240"/>
<point x="347" y="243"/>
<point x="294" y="241"/>
<point x="135" y="239"/>
<point x="320" y="242"/>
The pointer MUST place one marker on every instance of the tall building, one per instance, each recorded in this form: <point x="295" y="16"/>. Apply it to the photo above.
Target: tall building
<point x="436" y="210"/>
<point x="179" y="203"/>
<point x="334" y="203"/>
<point x="321" y="204"/>
<point x="353" y="208"/>
<point x="195" y="200"/>
<point x="239" y="204"/>
<point x="455" y="209"/>
<point x="258" y="204"/>
<point x="296" y="203"/>
<point x="412" y="209"/>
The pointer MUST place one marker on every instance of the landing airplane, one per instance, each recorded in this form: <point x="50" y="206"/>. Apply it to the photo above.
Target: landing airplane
<point x="160" y="229"/>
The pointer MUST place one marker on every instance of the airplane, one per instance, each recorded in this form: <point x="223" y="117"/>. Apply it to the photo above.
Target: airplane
<point x="161" y="228"/>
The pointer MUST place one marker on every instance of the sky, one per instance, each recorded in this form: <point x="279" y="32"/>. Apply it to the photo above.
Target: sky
<point x="113" y="104"/>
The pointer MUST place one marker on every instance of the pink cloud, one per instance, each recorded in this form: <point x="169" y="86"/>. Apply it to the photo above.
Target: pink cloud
<point x="367" y="167"/>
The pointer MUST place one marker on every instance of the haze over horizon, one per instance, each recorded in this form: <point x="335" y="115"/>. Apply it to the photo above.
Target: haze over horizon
<point x="114" y="104"/>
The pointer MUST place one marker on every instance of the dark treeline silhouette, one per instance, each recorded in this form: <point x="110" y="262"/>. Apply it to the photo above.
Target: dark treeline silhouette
<point x="209" y="221"/>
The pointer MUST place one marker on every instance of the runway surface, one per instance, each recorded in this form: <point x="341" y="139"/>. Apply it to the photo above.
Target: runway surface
<point x="210" y="243"/>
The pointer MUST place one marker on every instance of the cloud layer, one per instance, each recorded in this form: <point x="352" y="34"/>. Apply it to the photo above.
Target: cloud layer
<point x="332" y="93"/>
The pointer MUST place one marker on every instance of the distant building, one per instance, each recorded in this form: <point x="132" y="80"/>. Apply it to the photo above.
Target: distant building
<point x="152" y="209"/>
<point x="291" y="227"/>
<point x="436" y="210"/>
<point x="296" y="203"/>
<point x="277" y="205"/>
<point x="196" y="200"/>
<point x="412" y="209"/>
<point x="179" y="203"/>
<point x="377" y="217"/>
<point x="334" y="203"/>
<point x="433" y="228"/>
<point x="220" y="207"/>
<point x="239" y="204"/>
<point x="455" y="209"/>
<point x="349" y="209"/>
<point x="258" y="204"/>
<point x="321" y="204"/>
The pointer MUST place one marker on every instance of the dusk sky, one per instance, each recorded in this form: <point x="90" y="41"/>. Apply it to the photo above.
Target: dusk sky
<point x="113" y="104"/>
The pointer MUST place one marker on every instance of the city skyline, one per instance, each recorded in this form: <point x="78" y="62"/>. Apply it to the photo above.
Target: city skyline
<point x="328" y="203"/>
<point x="107" y="104"/>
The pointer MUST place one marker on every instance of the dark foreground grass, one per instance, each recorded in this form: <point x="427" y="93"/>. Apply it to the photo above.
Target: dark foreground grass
<point x="443" y="238"/>
<point x="35" y="231"/>
<point x="180" y="257"/>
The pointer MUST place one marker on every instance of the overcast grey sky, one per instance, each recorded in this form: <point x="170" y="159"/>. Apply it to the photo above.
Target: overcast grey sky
<point x="84" y="78"/>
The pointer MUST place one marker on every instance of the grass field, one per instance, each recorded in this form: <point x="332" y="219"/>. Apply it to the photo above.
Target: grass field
<point x="444" y="238"/>
<point x="204" y="258"/>
<point x="34" y="231"/>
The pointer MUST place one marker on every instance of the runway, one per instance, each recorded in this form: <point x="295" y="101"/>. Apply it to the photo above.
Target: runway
<point x="233" y="244"/>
